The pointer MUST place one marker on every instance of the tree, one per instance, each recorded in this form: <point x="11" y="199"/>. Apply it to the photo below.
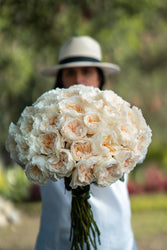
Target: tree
<point x="33" y="31"/>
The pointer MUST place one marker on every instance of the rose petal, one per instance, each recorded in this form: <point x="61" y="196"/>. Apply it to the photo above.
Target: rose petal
<point x="73" y="129"/>
<point x="62" y="164"/>
<point x="81" y="149"/>
<point x="36" y="170"/>
<point x="93" y="123"/>
<point x="83" y="173"/>
<point x="107" y="171"/>
<point x="50" y="142"/>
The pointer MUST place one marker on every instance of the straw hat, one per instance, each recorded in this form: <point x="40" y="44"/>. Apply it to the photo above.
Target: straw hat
<point x="81" y="51"/>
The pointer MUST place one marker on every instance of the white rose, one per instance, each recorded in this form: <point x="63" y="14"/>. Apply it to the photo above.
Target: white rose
<point x="11" y="142"/>
<point x="76" y="125"/>
<point x="107" y="171"/>
<point x="144" y="139"/>
<point x="69" y="92"/>
<point x="81" y="149"/>
<point x="36" y="170"/>
<point x="46" y="122"/>
<point x="83" y="173"/>
<point x="105" y="142"/>
<point x="26" y="124"/>
<point x="81" y="89"/>
<point x="50" y="142"/>
<point x="126" y="134"/>
<point x="93" y="123"/>
<point x="111" y="98"/>
<point x="90" y="95"/>
<point x="47" y="99"/>
<point x="144" y="132"/>
<point x="71" y="106"/>
<point x="61" y="164"/>
<point x="136" y="117"/>
<point x="22" y="148"/>
<point x="29" y="110"/>
<point x="128" y="159"/>
<point x="110" y="114"/>
<point x="73" y="129"/>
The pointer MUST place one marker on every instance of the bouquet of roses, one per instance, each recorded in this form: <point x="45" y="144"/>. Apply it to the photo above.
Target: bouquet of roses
<point x="84" y="135"/>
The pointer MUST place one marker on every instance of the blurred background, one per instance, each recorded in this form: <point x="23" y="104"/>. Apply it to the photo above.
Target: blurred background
<point x="133" y="34"/>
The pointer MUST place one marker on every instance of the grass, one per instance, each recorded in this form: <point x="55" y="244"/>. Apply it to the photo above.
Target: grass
<point x="146" y="224"/>
<point x="149" y="215"/>
<point x="149" y="202"/>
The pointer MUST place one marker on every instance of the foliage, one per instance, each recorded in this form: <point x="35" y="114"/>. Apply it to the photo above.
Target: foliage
<point x="151" y="178"/>
<point x="147" y="202"/>
<point x="133" y="34"/>
<point x="14" y="184"/>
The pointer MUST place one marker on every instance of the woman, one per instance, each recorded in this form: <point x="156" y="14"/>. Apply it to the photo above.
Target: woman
<point x="80" y="63"/>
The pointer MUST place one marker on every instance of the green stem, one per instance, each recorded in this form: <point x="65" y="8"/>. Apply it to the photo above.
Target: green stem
<point x="84" y="230"/>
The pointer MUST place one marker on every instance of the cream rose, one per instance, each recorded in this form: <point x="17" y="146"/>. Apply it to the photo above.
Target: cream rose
<point x="50" y="142"/>
<point x="73" y="129"/>
<point x="93" y="122"/>
<point x="61" y="164"/>
<point x="83" y="132"/>
<point x="82" y="149"/>
<point x="36" y="170"/>
<point x="83" y="173"/>
<point x="107" y="171"/>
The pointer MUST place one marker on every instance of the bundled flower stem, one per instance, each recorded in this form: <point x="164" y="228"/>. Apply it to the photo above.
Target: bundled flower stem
<point x="84" y="229"/>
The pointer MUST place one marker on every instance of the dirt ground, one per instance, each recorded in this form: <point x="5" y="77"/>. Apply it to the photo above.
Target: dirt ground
<point x="23" y="235"/>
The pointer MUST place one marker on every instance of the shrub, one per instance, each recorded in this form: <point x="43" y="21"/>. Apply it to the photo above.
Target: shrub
<point x="14" y="185"/>
<point x="149" y="179"/>
<point x="154" y="179"/>
<point x="134" y="188"/>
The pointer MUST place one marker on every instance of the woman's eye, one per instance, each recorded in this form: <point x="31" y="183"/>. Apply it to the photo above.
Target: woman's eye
<point x="69" y="72"/>
<point x="86" y="71"/>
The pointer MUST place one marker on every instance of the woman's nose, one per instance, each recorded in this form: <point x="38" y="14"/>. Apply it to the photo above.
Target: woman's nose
<point x="79" y="78"/>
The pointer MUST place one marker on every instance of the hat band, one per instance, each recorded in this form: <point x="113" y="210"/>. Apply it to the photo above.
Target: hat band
<point x="78" y="59"/>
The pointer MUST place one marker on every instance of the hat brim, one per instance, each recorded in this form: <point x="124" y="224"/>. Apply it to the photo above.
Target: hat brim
<point x="107" y="68"/>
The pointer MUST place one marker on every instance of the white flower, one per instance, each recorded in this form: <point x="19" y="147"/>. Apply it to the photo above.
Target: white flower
<point x="107" y="171"/>
<point x="110" y="113"/>
<point x="50" y="142"/>
<point x="127" y="158"/>
<point x="83" y="173"/>
<point x="81" y="149"/>
<point x="22" y="148"/>
<point x="61" y="164"/>
<point x="83" y="132"/>
<point x="47" y="99"/>
<point x="112" y="99"/>
<point x="126" y="134"/>
<point x="11" y="142"/>
<point x="48" y="121"/>
<point x="93" y="122"/>
<point x="72" y="106"/>
<point x="144" y="140"/>
<point x="105" y="142"/>
<point x="73" y="129"/>
<point x="26" y="124"/>
<point x="36" y="170"/>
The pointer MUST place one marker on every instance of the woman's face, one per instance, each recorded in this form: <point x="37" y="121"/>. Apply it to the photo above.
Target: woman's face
<point x="81" y="75"/>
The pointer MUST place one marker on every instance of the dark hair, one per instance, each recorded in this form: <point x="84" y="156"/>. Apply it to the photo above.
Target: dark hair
<point x="59" y="82"/>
